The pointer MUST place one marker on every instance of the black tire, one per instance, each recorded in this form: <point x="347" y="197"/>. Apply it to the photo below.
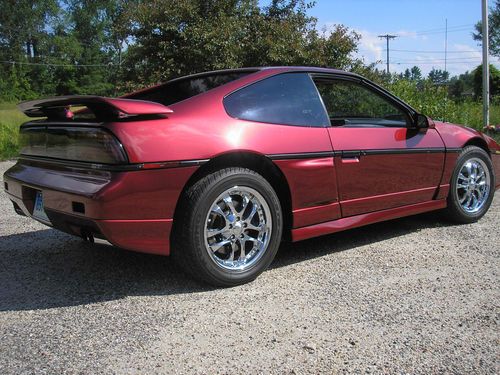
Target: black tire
<point x="189" y="249"/>
<point x="455" y="211"/>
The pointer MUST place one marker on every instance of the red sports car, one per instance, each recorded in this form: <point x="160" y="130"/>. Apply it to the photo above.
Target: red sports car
<point x="218" y="168"/>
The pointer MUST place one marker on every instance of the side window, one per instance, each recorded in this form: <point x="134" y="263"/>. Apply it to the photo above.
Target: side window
<point x="288" y="99"/>
<point x="353" y="105"/>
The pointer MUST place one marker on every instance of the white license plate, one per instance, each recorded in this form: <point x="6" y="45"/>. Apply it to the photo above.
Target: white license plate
<point x="38" y="210"/>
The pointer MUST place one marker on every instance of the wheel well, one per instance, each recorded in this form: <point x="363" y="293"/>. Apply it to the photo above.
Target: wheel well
<point x="258" y="163"/>
<point x="479" y="142"/>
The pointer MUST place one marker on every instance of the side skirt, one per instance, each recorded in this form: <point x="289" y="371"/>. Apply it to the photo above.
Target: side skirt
<point x="365" y="219"/>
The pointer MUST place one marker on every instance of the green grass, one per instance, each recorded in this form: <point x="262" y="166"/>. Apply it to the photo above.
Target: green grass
<point x="10" y="119"/>
<point x="467" y="113"/>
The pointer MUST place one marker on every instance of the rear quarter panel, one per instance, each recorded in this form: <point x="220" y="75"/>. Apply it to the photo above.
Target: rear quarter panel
<point x="200" y="129"/>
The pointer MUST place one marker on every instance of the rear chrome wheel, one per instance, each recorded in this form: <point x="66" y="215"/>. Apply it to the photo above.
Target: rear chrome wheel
<point x="238" y="227"/>
<point x="228" y="227"/>
<point x="471" y="186"/>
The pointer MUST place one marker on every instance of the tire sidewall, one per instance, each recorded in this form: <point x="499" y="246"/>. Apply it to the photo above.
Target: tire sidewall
<point x="198" y="222"/>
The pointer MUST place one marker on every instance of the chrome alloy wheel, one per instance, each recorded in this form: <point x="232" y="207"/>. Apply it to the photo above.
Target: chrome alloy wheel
<point x="238" y="228"/>
<point x="473" y="185"/>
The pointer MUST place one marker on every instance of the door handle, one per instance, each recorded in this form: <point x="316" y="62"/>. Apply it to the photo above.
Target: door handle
<point x="350" y="154"/>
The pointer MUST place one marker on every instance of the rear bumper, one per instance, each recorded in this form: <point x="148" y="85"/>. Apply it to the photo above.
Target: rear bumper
<point x="133" y="210"/>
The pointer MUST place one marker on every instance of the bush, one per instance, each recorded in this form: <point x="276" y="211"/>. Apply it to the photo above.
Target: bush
<point x="433" y="101"/>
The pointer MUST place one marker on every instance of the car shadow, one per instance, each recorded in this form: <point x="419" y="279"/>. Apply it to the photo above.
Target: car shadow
<point x="46" y="269"/>
<point x="350" y="239"/>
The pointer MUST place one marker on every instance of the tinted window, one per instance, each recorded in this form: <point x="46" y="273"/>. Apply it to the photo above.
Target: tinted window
<point x="178" y="90"/>
<point x="351" y="104"/>
<point x="289" y="99"/>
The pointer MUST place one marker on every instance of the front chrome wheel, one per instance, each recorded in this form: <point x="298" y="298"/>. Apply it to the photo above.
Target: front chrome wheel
<point x="473" y="185"/>
<point x="238" y="228"/>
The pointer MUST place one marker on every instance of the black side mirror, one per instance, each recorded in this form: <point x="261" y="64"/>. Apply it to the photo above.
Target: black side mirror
<point x="422" y="122"/>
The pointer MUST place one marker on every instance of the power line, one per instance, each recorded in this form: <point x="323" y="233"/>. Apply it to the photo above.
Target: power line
<point x="433" y="51"/>
<point x="444" y="31"/>
<point x="50" y="64"/>
<point x="443" y="28"/>
<point x="442" y="59"/>
<point x="430" y="63"/>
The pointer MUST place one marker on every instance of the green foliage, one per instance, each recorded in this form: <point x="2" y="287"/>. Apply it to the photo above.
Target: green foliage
<point x="433" y="101"/>
<point x="494" y="81"/>
<point x="173" y="38"/>
<point x="56" y="47"/>
<point x="493" y="29"/>
<point x="461" y="86"/>
<point x="10" y="119"/>
<point x="438" y="76"/>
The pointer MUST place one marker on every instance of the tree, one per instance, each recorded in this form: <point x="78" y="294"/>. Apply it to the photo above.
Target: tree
<point x="174" y="38"/>
<point x="494" y="81"/>
<point x="461" y="85"/>
<point x="23" y="40"/>
<point x="438" y="76"/>
<point x="112" y="46"/>
<point x="416" y="74"/>
<point x="493" y="29"/>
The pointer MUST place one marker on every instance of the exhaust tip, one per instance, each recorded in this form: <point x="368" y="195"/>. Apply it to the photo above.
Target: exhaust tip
<point x="87" y="235"/>
<point x="18" y="209"/>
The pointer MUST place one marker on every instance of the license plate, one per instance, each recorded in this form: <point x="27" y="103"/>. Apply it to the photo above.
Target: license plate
<point x="39" y="211"/>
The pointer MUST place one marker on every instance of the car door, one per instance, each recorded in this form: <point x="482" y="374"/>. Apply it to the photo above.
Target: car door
<point x="382" y="161"/>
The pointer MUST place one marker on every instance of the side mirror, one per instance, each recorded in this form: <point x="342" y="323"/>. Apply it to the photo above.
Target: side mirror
<point x="423" y="122"/>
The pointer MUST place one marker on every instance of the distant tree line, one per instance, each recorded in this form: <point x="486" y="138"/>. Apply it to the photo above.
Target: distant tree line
<point x="109" y="47"/>
<point x="461" y="87"/>
<point x="55" y="47"/>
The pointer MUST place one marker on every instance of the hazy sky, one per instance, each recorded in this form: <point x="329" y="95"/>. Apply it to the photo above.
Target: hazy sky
<point x="420" y="26"/>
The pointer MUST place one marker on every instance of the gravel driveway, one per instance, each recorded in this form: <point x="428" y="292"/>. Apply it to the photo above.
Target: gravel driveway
<point x="415" y="295"/>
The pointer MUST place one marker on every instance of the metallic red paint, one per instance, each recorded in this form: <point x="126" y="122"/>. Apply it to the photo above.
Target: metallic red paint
<point x="408" y="178"/>
<point x="122" y="205"/>
<point x="365" y="219"/>
<point x="314" y="190"/>
<point x="35" y="108"/>
<point x="330" y="191"/>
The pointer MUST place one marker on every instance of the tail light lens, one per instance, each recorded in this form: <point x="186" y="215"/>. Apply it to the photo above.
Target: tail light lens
<point x="83" y="144"/>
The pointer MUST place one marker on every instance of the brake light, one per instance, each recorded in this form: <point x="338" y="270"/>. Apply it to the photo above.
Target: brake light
<point x="83" y="144"/>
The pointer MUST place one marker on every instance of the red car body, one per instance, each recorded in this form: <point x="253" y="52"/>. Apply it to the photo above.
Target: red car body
<point x="328" y="178"/>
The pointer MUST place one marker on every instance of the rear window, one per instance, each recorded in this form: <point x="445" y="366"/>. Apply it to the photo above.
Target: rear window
<point x="185" y="88"/>
<point x="287" y="99"/>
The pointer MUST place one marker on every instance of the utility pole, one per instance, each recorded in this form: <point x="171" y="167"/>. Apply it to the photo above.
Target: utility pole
<point x="486" y="67"/>
<point x="445" y="66"/>
<point x="387" y="38"/>
<point x="446" y="45"/>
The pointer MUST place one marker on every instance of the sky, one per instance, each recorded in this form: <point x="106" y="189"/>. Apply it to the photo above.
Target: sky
<point x="419" y="25"/>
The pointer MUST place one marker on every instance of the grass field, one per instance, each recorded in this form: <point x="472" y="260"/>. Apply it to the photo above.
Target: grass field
<point x="10" y="118"/>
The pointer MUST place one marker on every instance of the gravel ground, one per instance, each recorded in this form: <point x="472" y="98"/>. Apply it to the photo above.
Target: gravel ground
<point x="414" y="295"/>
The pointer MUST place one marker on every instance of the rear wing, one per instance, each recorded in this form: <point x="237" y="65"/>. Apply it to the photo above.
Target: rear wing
<point x="101" y="107"/>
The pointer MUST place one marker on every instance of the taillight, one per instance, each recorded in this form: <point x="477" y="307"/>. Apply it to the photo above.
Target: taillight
<point x="83" y="144"/>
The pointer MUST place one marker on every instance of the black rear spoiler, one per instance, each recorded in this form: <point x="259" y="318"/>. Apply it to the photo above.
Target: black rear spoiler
<point x="102" y="107"/>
